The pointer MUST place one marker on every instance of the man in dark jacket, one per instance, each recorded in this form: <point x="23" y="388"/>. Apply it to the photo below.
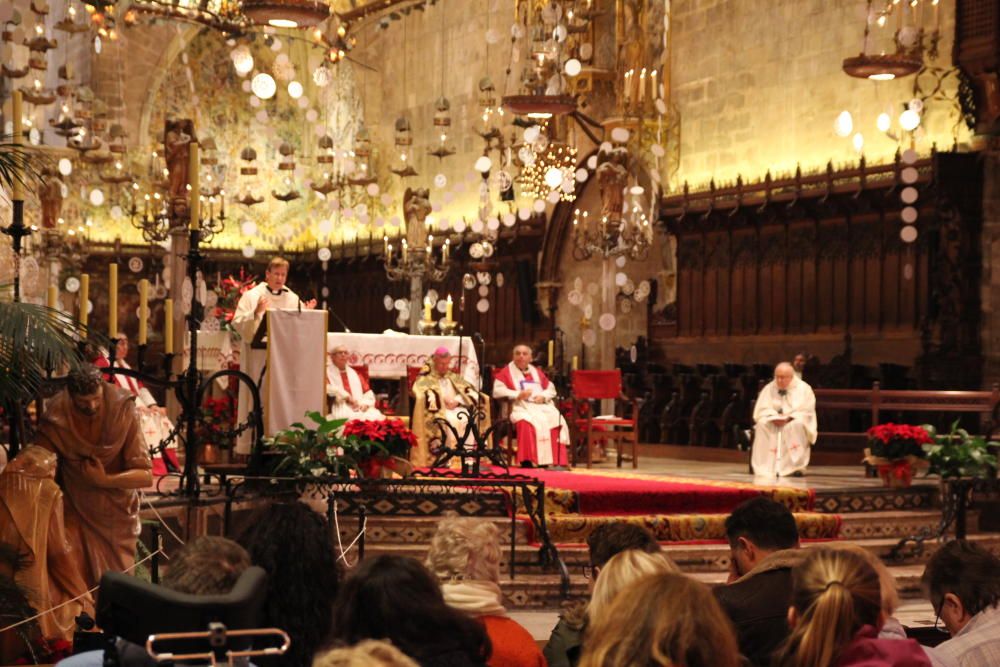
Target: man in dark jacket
<point x="764" y="547"/>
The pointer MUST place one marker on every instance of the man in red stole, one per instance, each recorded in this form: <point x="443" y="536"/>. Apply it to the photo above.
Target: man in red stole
<point x="542" y="434"/>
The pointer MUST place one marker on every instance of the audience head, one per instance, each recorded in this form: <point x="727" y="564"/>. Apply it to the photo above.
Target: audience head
<point x="84" y="386"/>
<point x="961" y="580"/>
<point x="368" y="653"/>
<point x="464" y="548"/>
<point x="757" y="528"/>
<point x="522" y="356"/>
<point x="618" y="573"/>
<point x="672" y="620"/>
<point x="121" y="345"/>
<point x="887" y="582"/>
<point x="784" y="373"/>
<point x="611" y="538"/>
<point x="206" y="565"/>
<point x="397" y="598"/>
<point x="293" y="545"/>
<point x="834" y="593"/>
<point x="277" y="273"/>
<point x="340" y="355"/>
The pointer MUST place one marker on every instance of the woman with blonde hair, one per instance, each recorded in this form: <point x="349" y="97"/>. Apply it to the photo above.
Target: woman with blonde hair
<point x="662" y="620"/>
<point x="616" y="575"/>
<point x="836" y="615"/>
<point x="465" y="558"/>
<point x="891" y="628"/>
<point x="366" y="653"/>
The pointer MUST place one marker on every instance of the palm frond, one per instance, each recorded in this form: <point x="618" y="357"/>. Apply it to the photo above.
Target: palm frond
<point x="17" y="163"/>
<point x="35" y="341"/>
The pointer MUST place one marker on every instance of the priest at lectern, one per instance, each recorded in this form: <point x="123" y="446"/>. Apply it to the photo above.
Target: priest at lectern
<point x="268" y="295"/>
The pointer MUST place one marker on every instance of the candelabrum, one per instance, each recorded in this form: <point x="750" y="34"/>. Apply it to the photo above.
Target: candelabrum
<point x="424" y="261"/>
<point x="153" y="220"/>
<point x="629" y="235"/>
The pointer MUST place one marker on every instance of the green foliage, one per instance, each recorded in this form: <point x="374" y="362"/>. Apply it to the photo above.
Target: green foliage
<point x="16" y="164"/>
<point x="34" y="342"/>
<point x="322" y="450"/>
<point x="959" y="454"/>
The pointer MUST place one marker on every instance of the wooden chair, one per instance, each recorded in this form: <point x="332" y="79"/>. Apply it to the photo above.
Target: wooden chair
<point x="623" y="429"/>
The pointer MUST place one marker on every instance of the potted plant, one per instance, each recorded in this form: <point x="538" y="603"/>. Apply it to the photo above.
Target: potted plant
<point x="342" y="448"/>
<point x="896" y="450"/>
<point x="957" y="454"/>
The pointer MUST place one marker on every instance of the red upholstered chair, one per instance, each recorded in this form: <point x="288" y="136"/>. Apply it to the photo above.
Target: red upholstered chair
<point x="622" y="427"/>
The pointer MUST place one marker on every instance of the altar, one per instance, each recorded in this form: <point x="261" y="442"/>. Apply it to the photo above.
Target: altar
<point x="387" y="355"/>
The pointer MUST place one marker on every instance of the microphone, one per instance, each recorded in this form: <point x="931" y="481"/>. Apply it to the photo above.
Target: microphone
<point x="339" y="321"/>
<point x="478" y="337"/>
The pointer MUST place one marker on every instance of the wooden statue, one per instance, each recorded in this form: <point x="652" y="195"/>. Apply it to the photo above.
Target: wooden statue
<point x="612" y="176"/>
<point x="50" y="196"/>
<point x="177" y="138"/>
<point x="416" y="208"/>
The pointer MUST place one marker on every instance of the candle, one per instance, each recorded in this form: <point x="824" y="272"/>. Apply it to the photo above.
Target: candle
<point x="552" y="346"/>
<point x="444" y="251"/>
<point x="143" y="303"/>
<point x="389" y="253"/>
<point x="113" y="300"/>
<point x="656" y="91"/>
<point x="53" y="298"/>
<point x="385" y="246"/>
<point x="193" y="167"/>
<point x="404" y="251"/>
<point x="17" y="191"/>
<point x="168" y="326"/>
<point x="427" y="309"/>
<point x="642" y="83"/>
<point x="576" y="362"/>
<point x="937" y="15"/>
<point x="84" y="298"/>
<point x="448" y="310"/>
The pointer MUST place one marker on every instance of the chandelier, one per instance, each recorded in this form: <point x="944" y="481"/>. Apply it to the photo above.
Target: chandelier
<point x="548" y="170"/>
<point x="424" y="261"/>
<point x="623" y="229"/>
<point x="913" y="21"/>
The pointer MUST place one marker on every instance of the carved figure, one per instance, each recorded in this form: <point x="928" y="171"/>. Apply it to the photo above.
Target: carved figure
<point x="416" y="208"/>
<point x="31" y="521"/>
<point x="612" y="177"/>
<point x="631" y="48"/>
<point x="94" y="429"/>
<point x="177" y="138"/>
<point x="50" y="195"/>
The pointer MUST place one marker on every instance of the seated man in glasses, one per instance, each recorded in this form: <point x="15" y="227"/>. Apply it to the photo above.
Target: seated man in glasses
<point x="350" y="395"/>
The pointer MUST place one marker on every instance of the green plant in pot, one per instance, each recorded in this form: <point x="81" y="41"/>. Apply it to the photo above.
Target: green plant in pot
<point x="958" y="454"/>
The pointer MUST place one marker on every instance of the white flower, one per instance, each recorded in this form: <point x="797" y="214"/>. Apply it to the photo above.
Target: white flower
<point x="340" y="451"/>
<point x="331" y="452"/>
<point x="318" y="472"/>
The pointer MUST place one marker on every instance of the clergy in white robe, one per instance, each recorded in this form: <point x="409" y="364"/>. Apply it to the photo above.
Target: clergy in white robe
<point x="542" y="434"/>
<point x="268" y="295"/>
<point x="350" y="394"/>
<point x="153" y="420"/>
<point x="785" y="425"/>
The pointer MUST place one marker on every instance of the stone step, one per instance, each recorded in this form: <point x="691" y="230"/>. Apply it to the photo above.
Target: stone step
<point x="920" y="496"/>
<point x="855" y="526"/>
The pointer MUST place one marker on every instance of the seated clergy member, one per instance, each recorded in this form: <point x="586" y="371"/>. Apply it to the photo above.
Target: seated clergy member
<point x="441" y="393"/>
<point x="785" y="418"/>
<point x="542" y="434"/>
<point x="352" y="397"/>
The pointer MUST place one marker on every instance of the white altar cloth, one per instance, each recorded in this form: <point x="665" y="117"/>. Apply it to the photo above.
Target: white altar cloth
<point x="388" y="355"/>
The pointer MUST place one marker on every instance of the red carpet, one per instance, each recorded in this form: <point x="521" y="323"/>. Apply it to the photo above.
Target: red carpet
<point x="608" y="493"/>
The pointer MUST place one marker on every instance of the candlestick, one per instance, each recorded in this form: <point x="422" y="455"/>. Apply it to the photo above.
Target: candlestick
<point x="53" y="297"/>
<point x="551" y="352"/>
<point x="193" y="178"/>
<point x="448" y="310"/>
<point x="427" y="309"/>
<point x="113" y="300"/>
<point x="143" y="303"/>
<point x="576" y="362"/>
<point x="84" y="298"/>
<point x="168" y="326"/>
<point x="17" y="189"/>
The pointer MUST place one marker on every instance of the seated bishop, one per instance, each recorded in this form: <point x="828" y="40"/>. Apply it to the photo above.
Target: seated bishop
<point x="542" y="434"/>
<point x="351" y="397"/>
<point x="785" y="425"/>
<point x="441" y="393"/>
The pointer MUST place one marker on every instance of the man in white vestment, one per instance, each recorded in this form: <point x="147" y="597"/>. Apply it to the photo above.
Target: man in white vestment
<point x="351" y="395"/>
<point x="153" y="420"/>
<point x="785" y="425"/>
<point x="268" y="295"/>
<point x="542" y="434"/>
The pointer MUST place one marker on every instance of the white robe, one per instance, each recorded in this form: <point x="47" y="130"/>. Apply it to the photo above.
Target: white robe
<point x="252" y="361"/>
<point x="341" y="409"/>
<point x="783" y="450"/>
<point x="154" y="424"/>
<point x="543" y="417"/>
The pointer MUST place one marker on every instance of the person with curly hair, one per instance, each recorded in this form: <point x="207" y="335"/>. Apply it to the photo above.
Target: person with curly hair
<point x="662" y="620"/>
<point x="293" y="545"/>
<point x="396" y="598"/>
<point x="465" y="558"/>
<point x="836" y="615"/>
<point x="367" y="653"/>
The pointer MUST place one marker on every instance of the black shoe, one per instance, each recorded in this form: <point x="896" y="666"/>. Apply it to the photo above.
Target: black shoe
<point x="526" y="464"/>
<point x="798" y="473"/>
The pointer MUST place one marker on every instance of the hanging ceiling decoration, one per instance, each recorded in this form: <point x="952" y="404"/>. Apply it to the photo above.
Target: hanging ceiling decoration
<point x="912" y="28"/>
<point x="286" y="13"/>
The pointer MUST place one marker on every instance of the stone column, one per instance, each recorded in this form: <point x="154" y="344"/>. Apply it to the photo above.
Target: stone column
<point x="416" y="303"/>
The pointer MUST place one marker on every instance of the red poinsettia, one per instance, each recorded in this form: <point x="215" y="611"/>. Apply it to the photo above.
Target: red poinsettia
<point x="392" y="434"/>
<point x="897" y="441"/>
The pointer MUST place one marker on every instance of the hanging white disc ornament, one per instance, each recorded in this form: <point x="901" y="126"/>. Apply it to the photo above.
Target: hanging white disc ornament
<point x="589" y="337"/>
<point x="387" y="302"/>
<point x="606" y="321"/>
<point x="575" y="298"/>
<point x="908" y="234"/>
<point x="468" y="281"/>
<point x="908" y="215"/>
<point x="484" y="291"/>
<point x="620" y="279"/>
<point x="620" y="261"/>
<point x="440" y="181"/>
<point x="324" y="254"/>
<point x="72" y="284"/>
<point x="908" y="195"/>
<point x="509" y="219"/>
<point x="249" y="251"/>
<point x="459" y="226"/>
<point x="483" y="305"/>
